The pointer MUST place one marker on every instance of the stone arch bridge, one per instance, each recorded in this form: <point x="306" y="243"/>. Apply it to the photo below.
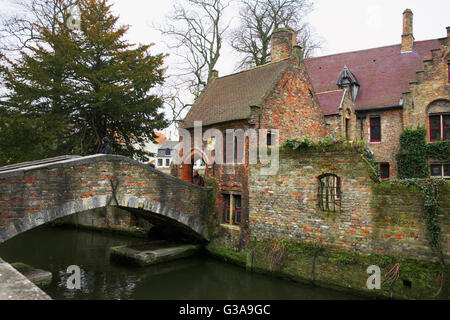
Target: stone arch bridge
<point x="35" y="193"/>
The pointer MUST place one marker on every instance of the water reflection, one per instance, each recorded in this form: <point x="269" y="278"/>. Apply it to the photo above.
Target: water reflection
<point x="193" y="278"/>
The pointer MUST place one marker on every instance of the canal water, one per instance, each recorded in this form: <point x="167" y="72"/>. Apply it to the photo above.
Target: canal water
<point x="194" y="278"/>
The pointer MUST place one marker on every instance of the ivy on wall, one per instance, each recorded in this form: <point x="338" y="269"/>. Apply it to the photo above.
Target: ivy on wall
<point x="340" y="144"/>
<point x="412" y="156"/>
<point x="412" y="162"/>
<point x="412" y="159"/>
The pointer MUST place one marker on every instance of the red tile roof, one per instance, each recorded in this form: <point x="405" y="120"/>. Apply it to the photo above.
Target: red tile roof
<point x="383" y="73"/>
<point x="229" y="98"/>
<point x="330" y="101"/>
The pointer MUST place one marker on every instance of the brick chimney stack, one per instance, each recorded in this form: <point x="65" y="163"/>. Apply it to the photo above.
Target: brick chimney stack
<point x="283" y="42"/>
<point x="214" y="74"/>
<point x="407" y="36"/>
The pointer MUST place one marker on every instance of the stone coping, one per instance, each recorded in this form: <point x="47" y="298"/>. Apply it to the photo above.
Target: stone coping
<point x="15" y="286"/>
<point x="80" y="161"/>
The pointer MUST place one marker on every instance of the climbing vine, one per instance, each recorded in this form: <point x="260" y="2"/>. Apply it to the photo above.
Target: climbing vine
<point x="340" y="144"/>
<point x="414" y="152"/>
<point x="430" y="194"/>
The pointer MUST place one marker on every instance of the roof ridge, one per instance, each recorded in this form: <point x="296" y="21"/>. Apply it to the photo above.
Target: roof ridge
<point x="368" y="49"/>
<point x="330" y="91"/>
<point x="255" y="67"/>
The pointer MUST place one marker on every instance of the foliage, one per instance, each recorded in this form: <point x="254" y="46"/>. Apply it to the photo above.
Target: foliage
<point x="277" y="254"/>
<point x="430" y="189"/>
<point x="412" y="156"/>
<point x="412" y="164"/>
<point x="438" y="150"/>
<point x="326" y="143"/>
<point x="340" y="144"/>
<point x="73" y="87"/>
<point x="415" y="151"/>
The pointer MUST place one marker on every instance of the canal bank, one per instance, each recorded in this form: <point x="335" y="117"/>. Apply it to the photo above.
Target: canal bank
<point x="196" y="278"/>
<point x="305" y="263"/>
<point x="399" y="227"/>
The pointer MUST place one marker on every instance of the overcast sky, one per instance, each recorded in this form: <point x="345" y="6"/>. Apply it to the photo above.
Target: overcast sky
<point x="345" y="25"/>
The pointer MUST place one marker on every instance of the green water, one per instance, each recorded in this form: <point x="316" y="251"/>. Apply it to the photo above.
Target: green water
<point x="195" y="278"/>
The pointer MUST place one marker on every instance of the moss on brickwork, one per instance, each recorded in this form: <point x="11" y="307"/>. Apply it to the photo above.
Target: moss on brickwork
<point x="227" y="254"/>
<point x="340" y="145"/>
<point x="390" y="187"/>
<point x="340" y="270"/>
<point x="212" y="214"/>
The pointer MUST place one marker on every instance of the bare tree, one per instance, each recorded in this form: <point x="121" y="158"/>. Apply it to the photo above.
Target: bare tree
<point x="196" y="27"/>
<point x="23" y="29"/>
<point x="258" y="20"/>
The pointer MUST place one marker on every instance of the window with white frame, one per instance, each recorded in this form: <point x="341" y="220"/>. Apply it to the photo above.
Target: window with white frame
<point x="441" y="170"/>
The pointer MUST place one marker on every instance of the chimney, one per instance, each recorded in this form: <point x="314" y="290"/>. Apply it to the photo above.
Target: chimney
<point x="407" y="36"/>
<point x="448" y="36"/>
<point x="283" y="41"/>
<point x="297" y="52"/>
<point x="214" y="74"/>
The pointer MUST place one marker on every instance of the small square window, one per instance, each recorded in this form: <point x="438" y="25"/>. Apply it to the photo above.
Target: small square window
<point x="160" y="162"/>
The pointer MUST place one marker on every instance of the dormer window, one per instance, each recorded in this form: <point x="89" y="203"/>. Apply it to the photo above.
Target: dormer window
<point x="348" y="79"/>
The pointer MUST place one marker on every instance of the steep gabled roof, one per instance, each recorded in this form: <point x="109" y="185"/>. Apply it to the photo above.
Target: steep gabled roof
<point x="229" y="98"/>
<point x="330" y="101"/>
<point x="383" y="74"/>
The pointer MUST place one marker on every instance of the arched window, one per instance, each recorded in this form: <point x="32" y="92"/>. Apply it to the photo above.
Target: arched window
<point x="329" y="194"/>
<point x="439" y="120"/>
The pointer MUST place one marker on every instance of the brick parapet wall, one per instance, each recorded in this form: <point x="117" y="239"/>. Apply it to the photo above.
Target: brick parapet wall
<point x="374" y="218"/>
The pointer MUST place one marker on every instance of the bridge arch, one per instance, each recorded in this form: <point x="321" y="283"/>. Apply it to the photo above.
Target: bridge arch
<point x="33" y="195"/>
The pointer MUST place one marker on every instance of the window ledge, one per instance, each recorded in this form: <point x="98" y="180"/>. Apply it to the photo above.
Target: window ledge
<point x="230" y="227"/>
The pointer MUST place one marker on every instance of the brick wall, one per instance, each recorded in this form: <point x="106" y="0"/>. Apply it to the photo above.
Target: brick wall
<point x="374" y="218"/>
<point x="229" y="178"/>
<point x="33" y="196"/>
<point x="431" y="84"/>
<point x="292" y="108"/>
<point x="391" y="129"/>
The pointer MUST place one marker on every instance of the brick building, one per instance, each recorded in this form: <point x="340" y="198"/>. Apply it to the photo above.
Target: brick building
<point x="370" y="95"/>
